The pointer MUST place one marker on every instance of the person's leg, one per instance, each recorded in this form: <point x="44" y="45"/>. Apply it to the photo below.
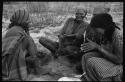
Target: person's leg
<point x="49" y="44"/>
<point x="74" y="57"/>
<point x="100" y="69"/>
<point x="86" y="56"/>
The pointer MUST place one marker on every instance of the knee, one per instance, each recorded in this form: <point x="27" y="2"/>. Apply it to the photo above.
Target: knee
<point x="90" y="54"/>
<point x="41" y="40"/>
<point x="87" y="55"/>
<point x="86" y="58"/>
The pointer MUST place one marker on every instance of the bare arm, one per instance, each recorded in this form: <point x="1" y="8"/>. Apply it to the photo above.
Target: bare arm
<point x="64" y="27"/>
<point x="110" y="56"/>
<point x="113" y="57"/>
<point x="117" y="53"/>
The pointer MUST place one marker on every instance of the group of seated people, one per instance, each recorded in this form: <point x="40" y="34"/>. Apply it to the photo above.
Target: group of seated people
<point x="93" y="47"/>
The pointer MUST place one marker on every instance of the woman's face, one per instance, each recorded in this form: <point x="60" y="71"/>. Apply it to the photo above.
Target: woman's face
<point x="100" y="30"/>
<point x="79" y="16"/>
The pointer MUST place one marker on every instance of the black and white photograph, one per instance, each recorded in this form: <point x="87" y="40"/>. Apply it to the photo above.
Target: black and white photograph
<point x="62" y="41"/>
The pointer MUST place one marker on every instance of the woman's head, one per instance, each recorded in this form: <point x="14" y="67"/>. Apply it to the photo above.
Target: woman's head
<point x="20" y="18"/>
<point x="103" y="23"/>
<point x="80" y="14"/>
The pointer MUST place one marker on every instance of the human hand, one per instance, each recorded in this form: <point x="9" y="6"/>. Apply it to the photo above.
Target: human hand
<point x="89" y="46"/>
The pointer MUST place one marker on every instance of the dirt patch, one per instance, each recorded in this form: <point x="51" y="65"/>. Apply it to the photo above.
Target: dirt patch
<point x="57" y="68"/>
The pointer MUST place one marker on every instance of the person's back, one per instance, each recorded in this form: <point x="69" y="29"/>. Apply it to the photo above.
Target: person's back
<point x="27" y="42"/>
<point x="22" y="47"/>
<point x="11" y="49"/>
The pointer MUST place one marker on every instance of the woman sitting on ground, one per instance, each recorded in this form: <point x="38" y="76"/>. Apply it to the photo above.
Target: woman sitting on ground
<point x="103" y="61"/>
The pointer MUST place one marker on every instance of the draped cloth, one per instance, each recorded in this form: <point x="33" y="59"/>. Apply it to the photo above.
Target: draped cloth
<point x="13" y="61"/>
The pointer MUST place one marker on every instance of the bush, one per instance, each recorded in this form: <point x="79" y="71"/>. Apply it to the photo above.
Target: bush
<point x="47" y="19"/>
